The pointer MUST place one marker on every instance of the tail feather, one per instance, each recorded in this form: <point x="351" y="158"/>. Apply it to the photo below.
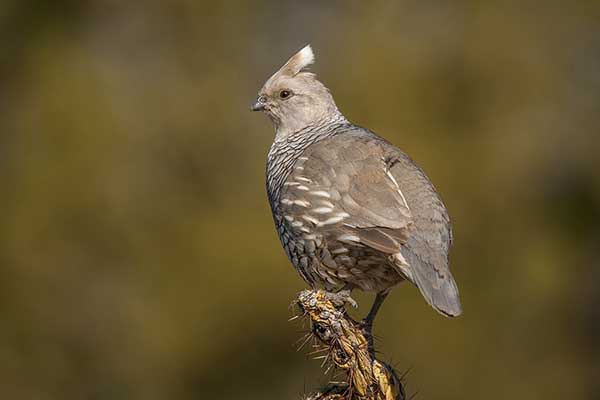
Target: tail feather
<point x="436" y="284"/>
<point x="442" y="294"/>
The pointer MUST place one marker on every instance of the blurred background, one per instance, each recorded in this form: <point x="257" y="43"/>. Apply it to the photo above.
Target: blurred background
<point x="137" y="254"/>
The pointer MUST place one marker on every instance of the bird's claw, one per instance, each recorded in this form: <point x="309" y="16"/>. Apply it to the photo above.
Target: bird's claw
<point x="366" y="326"/>
<point x="342" y="298"/>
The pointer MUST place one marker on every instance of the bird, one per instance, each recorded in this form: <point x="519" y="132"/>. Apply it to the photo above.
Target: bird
<point x="352" y="211"/>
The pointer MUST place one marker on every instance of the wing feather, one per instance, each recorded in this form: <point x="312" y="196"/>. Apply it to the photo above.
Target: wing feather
<point x="351" y="191"/>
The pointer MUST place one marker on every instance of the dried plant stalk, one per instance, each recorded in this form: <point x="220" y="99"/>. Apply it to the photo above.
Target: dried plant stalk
<point x="347" y="348"/>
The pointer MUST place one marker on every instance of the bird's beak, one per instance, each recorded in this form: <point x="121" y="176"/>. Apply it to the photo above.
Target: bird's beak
<point x="259" y="104"/>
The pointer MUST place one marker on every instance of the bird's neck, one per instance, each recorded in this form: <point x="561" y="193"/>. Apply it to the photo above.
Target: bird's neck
<point x="297" y="125"/>
<point x="285" y="151"/>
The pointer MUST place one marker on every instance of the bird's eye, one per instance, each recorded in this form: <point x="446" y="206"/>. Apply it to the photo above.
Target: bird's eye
<point x="284" y="94"/>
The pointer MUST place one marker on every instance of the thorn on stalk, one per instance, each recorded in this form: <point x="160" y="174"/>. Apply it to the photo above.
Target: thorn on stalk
<point x="308" y="337"/>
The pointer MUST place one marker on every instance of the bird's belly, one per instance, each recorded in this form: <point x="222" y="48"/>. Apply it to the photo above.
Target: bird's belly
<point x="332" y="264"/>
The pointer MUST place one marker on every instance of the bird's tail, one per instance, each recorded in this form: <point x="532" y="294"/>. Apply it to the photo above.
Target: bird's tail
<point x="436" y="284"/>
<point x="441" y="294"/>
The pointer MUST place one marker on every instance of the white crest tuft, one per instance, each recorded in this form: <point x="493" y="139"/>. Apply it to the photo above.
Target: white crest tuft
<point x="306" y="56"/>
<point x="298" y="61"/>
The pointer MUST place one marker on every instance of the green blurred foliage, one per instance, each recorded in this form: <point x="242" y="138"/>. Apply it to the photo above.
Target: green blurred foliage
<point x="137" y="254"/>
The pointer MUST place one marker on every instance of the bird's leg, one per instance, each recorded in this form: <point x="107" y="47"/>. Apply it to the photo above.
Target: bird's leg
<point x="367" y="322"/>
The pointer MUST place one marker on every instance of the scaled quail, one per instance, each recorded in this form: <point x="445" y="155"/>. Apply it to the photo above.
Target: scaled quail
<point x="351" y="210"/>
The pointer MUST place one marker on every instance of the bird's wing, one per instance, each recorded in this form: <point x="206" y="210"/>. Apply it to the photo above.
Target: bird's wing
<point x="426" y="250"/>
<point x="343" y="185"/>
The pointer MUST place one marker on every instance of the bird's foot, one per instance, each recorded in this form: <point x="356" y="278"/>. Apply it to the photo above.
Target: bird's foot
<point x="342" y="298"/>
<point x="366" y="327"/>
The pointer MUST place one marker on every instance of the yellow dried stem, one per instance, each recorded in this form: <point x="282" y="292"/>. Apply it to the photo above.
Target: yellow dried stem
<point x="348" y="350"/>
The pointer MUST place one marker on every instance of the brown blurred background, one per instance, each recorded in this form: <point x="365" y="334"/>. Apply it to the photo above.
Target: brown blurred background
<point x="137" y="254"/>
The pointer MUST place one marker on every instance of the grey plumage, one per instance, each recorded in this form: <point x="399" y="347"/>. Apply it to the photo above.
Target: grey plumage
<point x="351" y="209"/>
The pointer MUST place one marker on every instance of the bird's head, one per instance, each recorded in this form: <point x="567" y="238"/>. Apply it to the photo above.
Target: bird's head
<point x="293" y="98"/>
